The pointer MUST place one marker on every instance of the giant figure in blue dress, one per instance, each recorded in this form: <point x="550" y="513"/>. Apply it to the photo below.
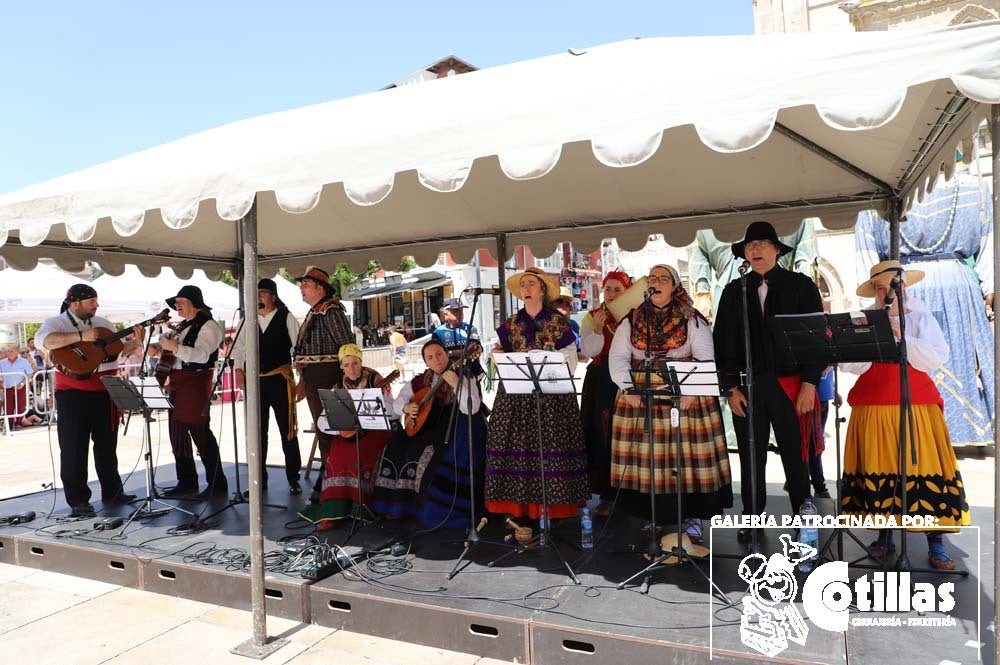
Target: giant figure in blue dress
<point x="949" y="237"/>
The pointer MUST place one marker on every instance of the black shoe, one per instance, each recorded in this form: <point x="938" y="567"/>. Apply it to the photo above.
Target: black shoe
<point x="179" y="491"/>
<point x="294" y="488"/>
<point x="212" y="492"/>
<point x="83" y="510"/>
<point x="744" y="535"/>
<point x="822" y="494"/>
<point x="120" y="498"/>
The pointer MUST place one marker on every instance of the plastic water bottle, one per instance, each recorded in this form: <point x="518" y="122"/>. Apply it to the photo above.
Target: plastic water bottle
<point x="808" y="535"/>
<point x="586" y="529"/>
<point x="543" y="526"/>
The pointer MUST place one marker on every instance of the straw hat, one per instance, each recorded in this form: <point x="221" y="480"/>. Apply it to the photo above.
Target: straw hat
<point x="551" y="282"/>
<point x="910" y="277"/>
<point x="566" y="293"/>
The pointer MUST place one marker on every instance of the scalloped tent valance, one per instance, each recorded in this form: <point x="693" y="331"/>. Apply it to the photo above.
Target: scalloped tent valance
<point x="627" y="139"/>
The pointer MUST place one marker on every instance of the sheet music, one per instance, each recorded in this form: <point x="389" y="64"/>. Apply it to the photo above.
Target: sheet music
<point x="370" y="405"/>
<point x="554" y="376"/>
<point x="152" y="394"/>
<point x="697" y="378"/>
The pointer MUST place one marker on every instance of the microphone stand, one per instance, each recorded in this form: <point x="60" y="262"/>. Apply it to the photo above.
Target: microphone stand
<point x="751" y="437"/>
<point x="472" y="534"/>
<point x="906" y="429"/>
<point x="237" y="497"/>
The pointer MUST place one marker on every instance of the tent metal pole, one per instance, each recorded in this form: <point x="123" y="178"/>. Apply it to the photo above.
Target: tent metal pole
<point x="502" y="273"/>
<point x="995" y="134"/>
<point x="258" y="646"/>
<point x="894" y="217"/>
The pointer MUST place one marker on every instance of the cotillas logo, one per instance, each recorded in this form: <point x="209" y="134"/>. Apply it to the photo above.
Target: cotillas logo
<point x="770" y="620"/>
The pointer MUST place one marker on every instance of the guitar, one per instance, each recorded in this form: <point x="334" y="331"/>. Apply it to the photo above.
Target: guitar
<point x="80" y="360"/>
<point x="381" y="383"/>
<point x="424" y="398"/>
<point x="165" y="364"/>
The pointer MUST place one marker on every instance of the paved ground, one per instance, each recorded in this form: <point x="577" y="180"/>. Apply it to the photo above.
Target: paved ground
<point x="51" y="618"/>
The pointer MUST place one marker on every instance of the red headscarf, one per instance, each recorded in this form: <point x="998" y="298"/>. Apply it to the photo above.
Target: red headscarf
<point x="620" y="276"/>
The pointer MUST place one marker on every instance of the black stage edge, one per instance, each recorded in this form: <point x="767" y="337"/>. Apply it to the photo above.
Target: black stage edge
<point x="525" y="610"/>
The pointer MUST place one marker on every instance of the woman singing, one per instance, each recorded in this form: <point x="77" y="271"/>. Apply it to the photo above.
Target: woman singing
<point x="513" y="477"/>
<point x="342" y="495"/>
<point x="596" y="332"/>
<point x="871" y="454"/>
<point x="427" y="475"/>
<point x="671" y="328"/>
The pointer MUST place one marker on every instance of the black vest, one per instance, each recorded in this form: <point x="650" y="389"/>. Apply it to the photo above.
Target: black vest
<point x="194" y="330"/>
<point x="275" y="344"/>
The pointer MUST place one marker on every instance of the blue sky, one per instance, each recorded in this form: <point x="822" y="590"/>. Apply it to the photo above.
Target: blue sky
<point x="83" y="83"/>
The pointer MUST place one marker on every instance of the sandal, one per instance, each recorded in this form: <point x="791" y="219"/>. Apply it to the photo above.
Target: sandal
<point x="938" y="558"/>
<point x="692" y="529"/>
<point x="880" y="550"/>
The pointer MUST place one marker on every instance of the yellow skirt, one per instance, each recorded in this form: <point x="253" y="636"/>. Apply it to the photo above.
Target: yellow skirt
<point x="871" y="466"/>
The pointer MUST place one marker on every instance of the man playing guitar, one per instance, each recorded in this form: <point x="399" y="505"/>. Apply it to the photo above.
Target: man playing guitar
<point x="196" y="349"/>
<point x="85" y="410"/>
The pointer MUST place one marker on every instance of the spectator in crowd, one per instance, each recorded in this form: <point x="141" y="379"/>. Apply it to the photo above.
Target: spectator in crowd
<point x="15" y="371"/>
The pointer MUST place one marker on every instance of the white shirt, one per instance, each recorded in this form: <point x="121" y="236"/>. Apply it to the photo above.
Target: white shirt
<point x="406" y="396"/>
<point x="591" y="340"/>
<point x="762" y="294"/>
<point x="926" y="347"/>
<point x="14" y="373"/>
<point x="291" y="324"/>
<point x="699" y="346"/>
<point x="208" y="342"/>
<point x="64" y="324"/>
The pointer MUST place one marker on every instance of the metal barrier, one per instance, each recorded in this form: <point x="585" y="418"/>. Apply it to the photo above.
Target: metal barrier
<point x="21" y="399"/>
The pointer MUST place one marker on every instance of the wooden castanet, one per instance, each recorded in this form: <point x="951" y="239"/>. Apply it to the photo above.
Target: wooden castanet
<point x="381" y="383"/>
<point x="424" y="398"/>
<point x="80" y="360"/>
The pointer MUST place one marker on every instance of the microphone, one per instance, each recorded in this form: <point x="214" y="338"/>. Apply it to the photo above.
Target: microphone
<point x="488" y="291"/>
<point x="744" y="268"/>
<point x="648" y="293"/>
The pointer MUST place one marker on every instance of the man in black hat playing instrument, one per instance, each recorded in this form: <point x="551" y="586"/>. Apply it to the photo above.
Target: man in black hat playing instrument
<point x="323" y="332"/>
<point x="278" y="332"/>
<point x="784" y="394"/>
<point x="196" y="350"/>
<point x="85" y="409"/>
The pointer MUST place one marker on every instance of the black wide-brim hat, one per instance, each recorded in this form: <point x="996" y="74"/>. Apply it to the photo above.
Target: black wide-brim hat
<point x="190" y="292"/>
<point x="760" y="231"/>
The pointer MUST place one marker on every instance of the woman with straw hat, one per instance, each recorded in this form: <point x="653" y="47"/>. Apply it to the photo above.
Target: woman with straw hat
<point x="513" y="477"/>
<point x="597" y="330"/>
<point x="871" y="454"/>
<point x="675" y="330"/>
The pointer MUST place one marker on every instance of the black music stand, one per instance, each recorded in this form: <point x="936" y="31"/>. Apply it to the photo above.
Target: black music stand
<point x="355" y="410"/>
<point x="142" y="395"/>
<point x="836" y="338"/>
<point x="699" y="379"/>
<point x="538" y="374"/>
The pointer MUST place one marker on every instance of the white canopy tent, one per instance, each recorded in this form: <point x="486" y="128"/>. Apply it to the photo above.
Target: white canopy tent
<point x="222" y="298"/>
<point x="624" y="140"/>
<point x="32" y="297"/>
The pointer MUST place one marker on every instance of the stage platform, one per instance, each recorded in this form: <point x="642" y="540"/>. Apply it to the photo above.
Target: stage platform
<point x="524" y="609"/>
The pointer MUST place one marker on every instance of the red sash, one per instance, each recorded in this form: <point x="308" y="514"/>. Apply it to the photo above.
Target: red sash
<point x="91" y="385"/>
<point x="810" y="424"/>
<point x="879" y="386"/>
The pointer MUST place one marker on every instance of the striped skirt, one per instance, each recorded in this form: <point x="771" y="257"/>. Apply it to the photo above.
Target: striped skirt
<point x="703" y="463"/>
<point x="513" y="476"/>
